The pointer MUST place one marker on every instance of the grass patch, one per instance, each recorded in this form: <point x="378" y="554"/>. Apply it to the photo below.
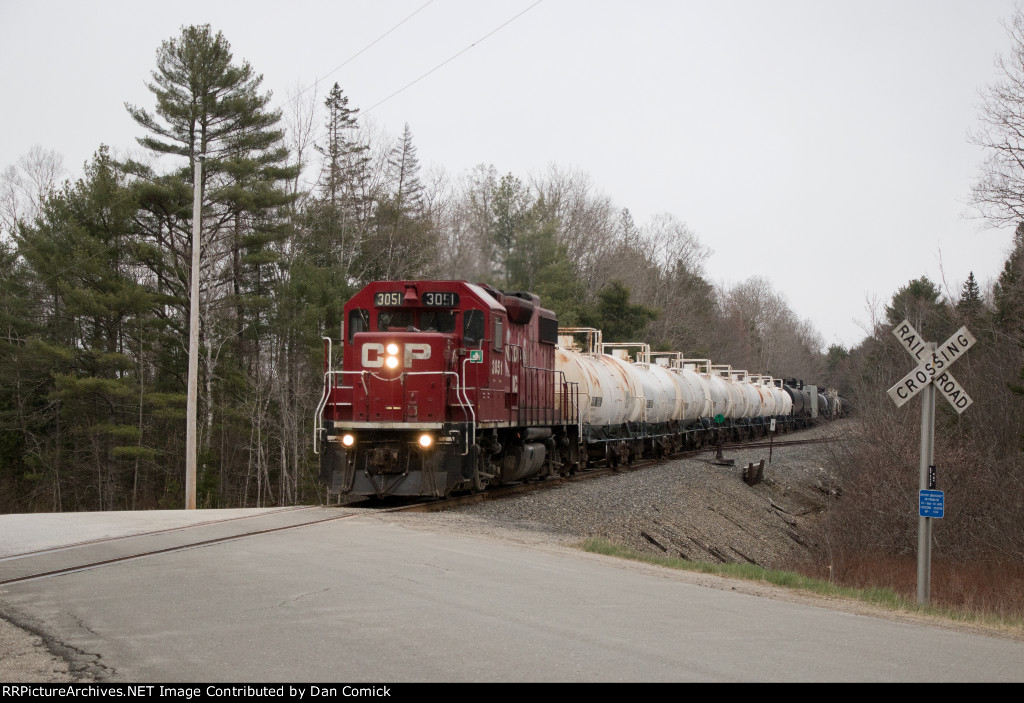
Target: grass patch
<point x="880" y="596"/>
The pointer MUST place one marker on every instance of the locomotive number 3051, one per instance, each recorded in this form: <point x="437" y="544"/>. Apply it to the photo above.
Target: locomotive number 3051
<point x="387" y="300"/>
<point x="441" y="300"/>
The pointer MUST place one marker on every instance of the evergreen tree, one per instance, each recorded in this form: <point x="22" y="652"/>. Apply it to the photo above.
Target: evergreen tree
<point x="618" y="320"/>
<point x="1008" y="292"/>
<point x="208" y="104"/>
<point x="343" y="156"/>
<point x="540" y="264"/>
<point x="970" y="305"/>
<point x="402" y="242"/>
<point x="405" y="174"/>
<point x="94" y="334"/>
<point x="920" y="303"/>
<point x="511" y="215"/>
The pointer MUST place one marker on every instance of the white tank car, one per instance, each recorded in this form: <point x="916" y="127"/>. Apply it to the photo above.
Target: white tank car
<point x="661" y="387"/>
<point x="662" y="397"/>
<point x="700" y="389"/>
<point x="691" y="389"/>
<point x="769" y="402"/>
<point x="632" y="382"/>
<point x="602" y="395"/>
<point x="677" y="390"/>
<point x="722" y="401"/>
<point x="739" y="399"/>
<point x="756" y="406"/>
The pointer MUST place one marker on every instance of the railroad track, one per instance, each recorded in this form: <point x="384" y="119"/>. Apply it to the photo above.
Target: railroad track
<point x="555" y="482"/>
<point x="92" y="563"/>
<point x="430" y="506"/>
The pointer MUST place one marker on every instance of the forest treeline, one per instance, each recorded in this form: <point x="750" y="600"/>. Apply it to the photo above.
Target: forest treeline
<point x="978" y="454"/>
<point x="301" y="206"/>
<point x="979" y="462"/>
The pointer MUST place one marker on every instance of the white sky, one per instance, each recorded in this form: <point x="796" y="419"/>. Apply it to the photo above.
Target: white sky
<point x="820" y="144"/>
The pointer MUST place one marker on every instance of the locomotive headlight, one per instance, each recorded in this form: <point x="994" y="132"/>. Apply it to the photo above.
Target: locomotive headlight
<point x="348" y="440"/>
<point x="391" y="362"/>
<point x="392" y="349"/>
<point x="426" y="441"/>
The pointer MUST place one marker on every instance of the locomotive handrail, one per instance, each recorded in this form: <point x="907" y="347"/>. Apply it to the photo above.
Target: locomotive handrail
<point x="459" y="387"/>
<point x="318" y="420"/>
<point x="548" y="409"/>
<point x="330" y="375"/>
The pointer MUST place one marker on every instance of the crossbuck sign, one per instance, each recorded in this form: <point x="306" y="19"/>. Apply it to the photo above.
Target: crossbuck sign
<point x="933" y="368"/>
<point x="931" y="373"/>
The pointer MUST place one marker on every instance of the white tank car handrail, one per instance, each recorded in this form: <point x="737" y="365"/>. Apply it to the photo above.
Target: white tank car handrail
<point x="593" y="337"/>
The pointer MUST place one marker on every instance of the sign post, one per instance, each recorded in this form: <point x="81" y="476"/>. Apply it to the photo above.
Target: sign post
<point x="930" y="374"/>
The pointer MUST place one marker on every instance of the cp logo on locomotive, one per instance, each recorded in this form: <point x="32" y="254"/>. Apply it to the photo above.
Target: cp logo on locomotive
<point x="373" y="354"/>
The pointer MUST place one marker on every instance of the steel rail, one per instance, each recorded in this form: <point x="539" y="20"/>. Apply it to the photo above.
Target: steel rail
<point x="167" y="550"/>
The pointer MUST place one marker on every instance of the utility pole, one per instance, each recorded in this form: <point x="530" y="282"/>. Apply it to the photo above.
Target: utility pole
<point x="193" y="339"/>
<point x="924" y="524"/>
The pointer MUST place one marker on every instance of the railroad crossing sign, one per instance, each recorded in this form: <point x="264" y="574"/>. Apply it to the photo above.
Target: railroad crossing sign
<point x="933" y="369"/>
<point x="931" y="373"/>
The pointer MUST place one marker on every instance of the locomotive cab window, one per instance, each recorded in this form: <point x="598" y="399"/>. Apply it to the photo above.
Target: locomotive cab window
<point x="437" y="321"/>
<point x="472" y="327"/>
<point x="499" y="333"/>
<point x="358" y="321"/>
<point x="387" y="319"/>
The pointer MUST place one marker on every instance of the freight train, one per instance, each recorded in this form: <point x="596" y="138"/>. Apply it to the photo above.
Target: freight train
<point x="449" y="386"/>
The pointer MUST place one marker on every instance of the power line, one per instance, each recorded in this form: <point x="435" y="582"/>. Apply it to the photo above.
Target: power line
<point x="454" y="56"/>
<point x="356" y="55"/>
<point x="379" y="103"/>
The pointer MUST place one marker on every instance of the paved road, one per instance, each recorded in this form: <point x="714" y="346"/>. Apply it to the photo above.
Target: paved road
<point x="358" y="599"/>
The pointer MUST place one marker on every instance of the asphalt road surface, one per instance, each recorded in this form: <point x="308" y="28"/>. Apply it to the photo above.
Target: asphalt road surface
<point x="362" y="599"/>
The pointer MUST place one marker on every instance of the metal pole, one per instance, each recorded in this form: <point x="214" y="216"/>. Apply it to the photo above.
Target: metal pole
<point x="193" y="340"/>
<point x="924" y="524"/>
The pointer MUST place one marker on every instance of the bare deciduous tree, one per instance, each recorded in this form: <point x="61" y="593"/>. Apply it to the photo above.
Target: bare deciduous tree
<point x="998" y="194"/>
<point x="25" y="185"/>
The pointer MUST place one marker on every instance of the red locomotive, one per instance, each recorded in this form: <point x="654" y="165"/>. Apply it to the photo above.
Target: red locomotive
<point x="449" y="386"/>
<point x="444" y="386"/>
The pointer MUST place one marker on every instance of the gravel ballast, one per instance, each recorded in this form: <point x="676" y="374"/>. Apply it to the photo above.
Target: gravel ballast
<point x="687" y="507"/>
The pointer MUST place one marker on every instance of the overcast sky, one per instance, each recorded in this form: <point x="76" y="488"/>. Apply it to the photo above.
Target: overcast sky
<point x="820" y="144"/>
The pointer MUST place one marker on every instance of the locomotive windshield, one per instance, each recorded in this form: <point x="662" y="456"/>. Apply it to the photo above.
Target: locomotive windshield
<point x="473" y="326"/>
<point x="418" y="320"/>
<point x="387" y="319"/>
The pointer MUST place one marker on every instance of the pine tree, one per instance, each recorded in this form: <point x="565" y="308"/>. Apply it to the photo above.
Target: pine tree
<point x="208" y="104"/>
<point x="511" y="215"/>
<point x="969" y="305"/>
<point x="920" y="303"/>
<point x="402" y="239"/>
<point x="1008" y="292"/>
<point x="405" y="174"/>
<point x="95" y="333"/>
<point x="619" y="320"/>
<point x="322" y="275"/>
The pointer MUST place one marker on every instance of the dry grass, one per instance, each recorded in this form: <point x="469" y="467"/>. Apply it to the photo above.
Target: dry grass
<point x="979" y="590"/>
<point x="989" y="596"/>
